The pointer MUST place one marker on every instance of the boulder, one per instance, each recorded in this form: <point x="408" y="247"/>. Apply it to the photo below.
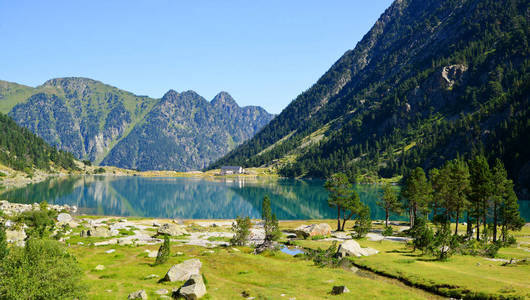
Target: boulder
<point x="99" y="231"/>
<point x="194" y="288"/>
<point x="183" y="271"/>
<point x="16" y="237"/>
<point x="171" y="229"/>
<point x="352" y="248"/>
<point x="64" y="218"/>
<point x="141" y="294"/>
<point x="339" y="289"/>
<point x="306" y="231"/>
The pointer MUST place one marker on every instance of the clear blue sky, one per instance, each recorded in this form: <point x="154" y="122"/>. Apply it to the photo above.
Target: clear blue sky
<point x="261" y="52"/>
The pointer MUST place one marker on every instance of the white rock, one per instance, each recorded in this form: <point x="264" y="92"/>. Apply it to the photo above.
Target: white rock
<point x="352" y="248"/>
<point x="64" y="218"/>
<point x="194" y="288"/>
<point x="184" y="270"/>
<point x="99" y="268"/>
<point x="110" y="251"/>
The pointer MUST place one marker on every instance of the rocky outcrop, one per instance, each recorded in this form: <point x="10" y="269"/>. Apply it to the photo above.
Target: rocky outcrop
<point x="194" y="288"/>
<point x="171" y="230"/>
<point x="190" y="133"/>
<point x="306" y="231"/>
<point x="183" y="271"/>
<point x="352" y="248"/>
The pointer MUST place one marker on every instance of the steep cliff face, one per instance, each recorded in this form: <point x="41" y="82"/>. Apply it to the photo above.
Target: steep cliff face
<point x="430" y="80"/>
<point x="107" y="125"/>
<point x="186" y="132"/>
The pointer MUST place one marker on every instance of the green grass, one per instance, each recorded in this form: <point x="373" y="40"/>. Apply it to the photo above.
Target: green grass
<point x="228" y="273"/>
<point x="457" y="277"/>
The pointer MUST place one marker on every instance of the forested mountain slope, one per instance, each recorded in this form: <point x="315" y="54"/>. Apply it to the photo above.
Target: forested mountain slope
<point x="90" y="119"/>
<point x="22" y="150"/>
<point x="430" y="80"/>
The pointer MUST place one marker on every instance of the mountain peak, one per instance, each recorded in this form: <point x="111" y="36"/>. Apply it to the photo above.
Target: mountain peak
<point x="224" y="100"/>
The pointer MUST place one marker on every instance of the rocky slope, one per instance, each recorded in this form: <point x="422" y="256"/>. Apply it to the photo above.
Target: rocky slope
<point x="430" y="80"/>
<point x="96" y="121"/>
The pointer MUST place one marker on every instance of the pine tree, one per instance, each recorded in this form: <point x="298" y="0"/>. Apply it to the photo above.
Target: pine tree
<point x="363" y="223"/>
<point x="339" y="189"/>
<point x="352" y="204"/>
<point x="389" y="202"/>
<point x="163" y="251"/>
<point x="241" y="229"/>
<point x="418" y="192"/>
<point x="272" y="229"/>
<point x="481" y="189"/>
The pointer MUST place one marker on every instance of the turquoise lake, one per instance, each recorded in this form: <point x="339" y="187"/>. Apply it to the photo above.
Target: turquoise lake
<point x="195" y="198"/>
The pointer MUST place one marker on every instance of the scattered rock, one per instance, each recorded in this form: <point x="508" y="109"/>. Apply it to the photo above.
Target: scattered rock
<point x="194" y="288"/>
<point x="183" y="271"/>
<point x="64" y="218"/>
<point x="151" y="254"/>
<point x="110" y="251"/>
<point x="171" y="229"/>
<point x="151" y="276"/>
<point x="99" y="268"/>
<point x="339" y="289"/>
<point x="306" y="231"/>
<point x="141" y="294"/>
<point x="161" y="292"/>
<point x="352" y="248"/>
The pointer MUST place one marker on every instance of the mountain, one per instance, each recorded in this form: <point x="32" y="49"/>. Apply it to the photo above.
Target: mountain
<point x="184" y="131"/>
<point x="110" y="126"/>
<point x="431" y="80"/>
<point x="22" y="150"/>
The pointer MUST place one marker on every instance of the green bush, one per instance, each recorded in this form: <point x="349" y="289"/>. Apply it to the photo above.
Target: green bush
<point x="3" y="243"/>
<point x="43" y="269"/>
<point x="40" y="222"/>
<point x="363" y="223"/>
<point x="163" y="251"/>
<point x="387" y="231"/>
<point x="241" y="229"/>
<point x="324" y="257"/>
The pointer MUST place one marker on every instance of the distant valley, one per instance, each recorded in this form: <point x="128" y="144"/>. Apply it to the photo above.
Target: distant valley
<point x="109" y="126"/>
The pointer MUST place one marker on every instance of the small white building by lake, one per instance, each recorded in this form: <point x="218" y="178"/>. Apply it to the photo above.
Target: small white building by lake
<point x="229" y="170"/>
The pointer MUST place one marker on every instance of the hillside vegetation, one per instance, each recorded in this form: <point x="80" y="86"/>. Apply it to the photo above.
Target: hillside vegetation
<point x="432" y="79"/>
<point x="22" y="150"/>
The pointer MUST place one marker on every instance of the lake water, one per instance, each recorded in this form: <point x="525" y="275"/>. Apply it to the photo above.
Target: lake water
<point x="194" y="198"/>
